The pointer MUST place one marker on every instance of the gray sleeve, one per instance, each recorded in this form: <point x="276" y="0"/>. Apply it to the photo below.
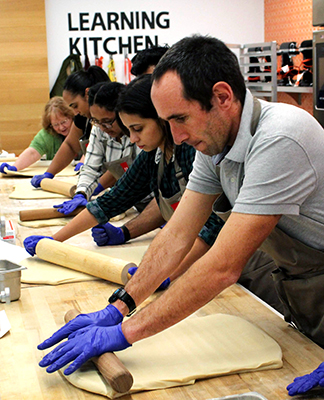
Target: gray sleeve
<point x="274" y="181"/>
<point x="203" y="178"/>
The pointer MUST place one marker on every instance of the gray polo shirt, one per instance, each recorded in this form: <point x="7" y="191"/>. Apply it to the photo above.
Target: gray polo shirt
<point x="280" y="170"/>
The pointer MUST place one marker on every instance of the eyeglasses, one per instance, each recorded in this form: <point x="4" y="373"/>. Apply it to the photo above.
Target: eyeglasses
<point x="107" y="124"/>
<point x="59" y="124"/>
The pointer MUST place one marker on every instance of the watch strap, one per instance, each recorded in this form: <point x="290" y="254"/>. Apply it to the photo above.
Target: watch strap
<point x="121" y="294"/>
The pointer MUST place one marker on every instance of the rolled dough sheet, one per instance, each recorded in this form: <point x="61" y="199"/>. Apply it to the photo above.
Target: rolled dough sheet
<point x="7" y="159"/>
<point x="25" y="191"/>
<point x="42" y="272"/>
<point x="43" y="223"/>
<point x="39" y="169"/>
<point x="196" y="348"/>
<point x="58" y="221"/>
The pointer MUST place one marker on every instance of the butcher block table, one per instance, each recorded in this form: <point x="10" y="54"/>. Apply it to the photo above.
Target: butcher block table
<point x="41" y="308"/>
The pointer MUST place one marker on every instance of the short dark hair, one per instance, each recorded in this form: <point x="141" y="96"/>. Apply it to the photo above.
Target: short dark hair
<point x="105" y="94"/>
<point x="79" y="81"/>
<point x="146" y="58"/>
<point x="200" y="62"/>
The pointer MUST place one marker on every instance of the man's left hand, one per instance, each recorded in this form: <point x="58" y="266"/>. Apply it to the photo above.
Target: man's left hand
<point x="84" y="344"/>
<point x="164" y="285"/>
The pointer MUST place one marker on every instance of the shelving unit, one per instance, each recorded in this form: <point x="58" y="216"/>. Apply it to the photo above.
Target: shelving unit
<point x="266" y="53"/>
<point x="265" y="69"/>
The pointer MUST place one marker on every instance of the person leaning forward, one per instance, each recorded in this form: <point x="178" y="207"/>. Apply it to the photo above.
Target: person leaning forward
<point x="273" y="179"/>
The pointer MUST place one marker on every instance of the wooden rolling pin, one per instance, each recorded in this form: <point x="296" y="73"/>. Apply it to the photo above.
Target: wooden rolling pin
<point x="111" y="368"/>
<point x="99" y="265"/>
<point x="56" y="186"/>
<point x="45" y="213"/>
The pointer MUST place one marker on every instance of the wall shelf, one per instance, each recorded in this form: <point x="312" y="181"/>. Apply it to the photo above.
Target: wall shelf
<point x="261" y="90"/>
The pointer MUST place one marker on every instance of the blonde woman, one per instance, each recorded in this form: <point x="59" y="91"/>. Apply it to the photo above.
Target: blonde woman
<point x="57" y="120"/>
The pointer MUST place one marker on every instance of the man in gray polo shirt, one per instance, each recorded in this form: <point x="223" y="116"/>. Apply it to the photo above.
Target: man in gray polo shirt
<point x="260" y="166"/>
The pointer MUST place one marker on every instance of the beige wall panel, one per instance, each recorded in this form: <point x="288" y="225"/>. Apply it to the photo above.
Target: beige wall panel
<point x="23" y="72"/>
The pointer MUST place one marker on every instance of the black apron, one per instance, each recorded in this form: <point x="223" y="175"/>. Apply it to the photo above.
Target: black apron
<point x="298" y="276"/>
<point x="299" y="281"/>
<point x="84" y="124"/>
<point x="84" y="141"/>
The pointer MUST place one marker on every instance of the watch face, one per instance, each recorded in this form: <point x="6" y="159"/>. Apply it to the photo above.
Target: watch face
<point x="119" y="292"/>
<point x="115" y="296"/>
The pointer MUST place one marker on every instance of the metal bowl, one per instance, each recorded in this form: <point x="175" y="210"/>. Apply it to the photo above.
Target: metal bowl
<point x="10" y="275"/>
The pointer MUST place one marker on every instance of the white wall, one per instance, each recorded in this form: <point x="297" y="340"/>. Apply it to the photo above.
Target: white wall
<point x="233" y="21"/>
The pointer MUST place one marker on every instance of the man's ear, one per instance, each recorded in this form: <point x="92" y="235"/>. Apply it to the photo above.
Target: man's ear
<point x="223" y="94"/>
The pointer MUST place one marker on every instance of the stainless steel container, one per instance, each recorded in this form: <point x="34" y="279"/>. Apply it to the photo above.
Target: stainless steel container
<point x="243" y="396"/>
<point x="10" y="277"/>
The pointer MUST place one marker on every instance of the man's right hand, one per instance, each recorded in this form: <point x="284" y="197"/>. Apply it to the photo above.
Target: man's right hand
<point x="107" y="317"/>
<point x="37" y="179"/>
<point x="30" y="243"/>
<point x="83" y="345"/>
<point x="69" y="206"/>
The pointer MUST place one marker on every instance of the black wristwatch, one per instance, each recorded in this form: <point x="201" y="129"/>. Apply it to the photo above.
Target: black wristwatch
<point x="121" y="294"/>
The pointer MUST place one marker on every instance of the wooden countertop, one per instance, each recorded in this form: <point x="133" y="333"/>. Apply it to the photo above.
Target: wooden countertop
<point x="40" y="310"/>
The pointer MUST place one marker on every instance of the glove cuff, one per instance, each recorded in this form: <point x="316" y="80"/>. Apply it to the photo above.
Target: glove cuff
<point x="164" y="285"/>
<point x="115" y="313"/>
<point x="126" y="233"/>
<point x="79" y="195"/>
<point x="48" y="175"/>
<point x="123" y="343"/>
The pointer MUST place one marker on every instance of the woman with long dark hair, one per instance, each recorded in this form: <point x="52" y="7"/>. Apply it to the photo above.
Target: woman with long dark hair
<point x="109" y="153"/>
<point x="75" y="93"/>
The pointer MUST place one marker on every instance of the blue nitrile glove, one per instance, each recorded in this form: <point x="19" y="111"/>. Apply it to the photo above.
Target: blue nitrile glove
<point x="84" y="344"/>
<point x="107" y="317"/>
<point x="70" y="205"/>
<point x="30" y="243"/>
<point x="36" y="180"/>
<point x="98" y="189"/>
<point x="8" y="166"/>
<point x="304" y="383"/>
<point x="107" y="235"/>
<point x="163" y="285"/>
<point x="78" y="166"/>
